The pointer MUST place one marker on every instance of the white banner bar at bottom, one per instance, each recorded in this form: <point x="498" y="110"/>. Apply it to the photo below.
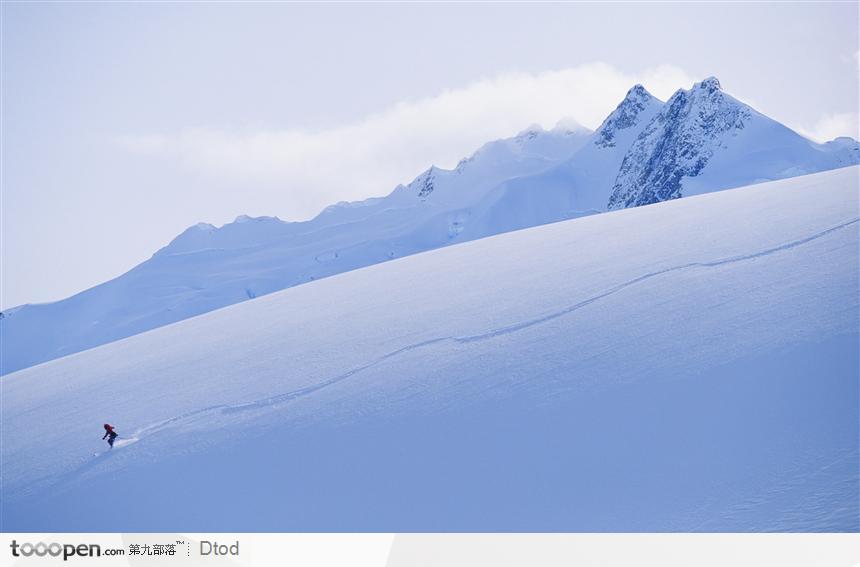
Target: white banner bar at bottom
<point x="432" y="550"/>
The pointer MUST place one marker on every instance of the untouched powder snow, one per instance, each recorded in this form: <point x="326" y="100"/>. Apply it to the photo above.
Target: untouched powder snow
<point x="690" y="365"/>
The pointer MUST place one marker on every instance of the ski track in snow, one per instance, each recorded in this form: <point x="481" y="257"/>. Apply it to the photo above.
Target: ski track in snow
<point x="307" y="390"/>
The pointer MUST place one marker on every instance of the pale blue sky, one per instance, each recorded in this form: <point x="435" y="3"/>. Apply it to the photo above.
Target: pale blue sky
<point x="124" y="123"/>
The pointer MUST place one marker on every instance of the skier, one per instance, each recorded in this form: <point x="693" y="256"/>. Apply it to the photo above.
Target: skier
<point x="110" y="434"/>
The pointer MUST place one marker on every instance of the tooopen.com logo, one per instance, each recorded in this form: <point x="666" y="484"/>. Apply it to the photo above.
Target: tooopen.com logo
<point x="65" y="550"/>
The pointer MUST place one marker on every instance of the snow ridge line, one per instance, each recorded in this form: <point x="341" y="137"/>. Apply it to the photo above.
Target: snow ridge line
<point x="293" y="394"/>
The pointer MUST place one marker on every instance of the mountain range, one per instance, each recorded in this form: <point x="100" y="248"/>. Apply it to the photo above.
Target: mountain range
<point x="646" y="151"/>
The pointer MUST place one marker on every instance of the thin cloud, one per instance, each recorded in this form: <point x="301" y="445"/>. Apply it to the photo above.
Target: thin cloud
<point x="369" y="157"/>
<point x="832" y="126"/>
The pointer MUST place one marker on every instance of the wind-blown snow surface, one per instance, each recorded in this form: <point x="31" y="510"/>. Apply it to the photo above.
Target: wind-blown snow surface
<point x="691" y="365"/>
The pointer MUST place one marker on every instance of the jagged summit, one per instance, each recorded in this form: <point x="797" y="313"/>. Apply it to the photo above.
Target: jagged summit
<point x="636" y="104"/>
<point x="710" y="84"/>
<point x="423" y="185"/>
<point x="709" y="87"/>
<point x="678" y="144"/>
<point x="704" y="138"/>
<point x="638" y="92"/>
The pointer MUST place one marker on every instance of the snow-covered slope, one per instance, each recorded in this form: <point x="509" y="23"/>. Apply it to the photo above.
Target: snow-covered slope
<point x="702" y="140"/>
<point x="691" y="365"/>
<point x="205" y="267"/>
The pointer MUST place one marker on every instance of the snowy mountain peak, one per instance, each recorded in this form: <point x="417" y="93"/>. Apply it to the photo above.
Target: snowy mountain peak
<point x="531" y="132"/>
<point x="636" y="105"/>
<point x="678" y="144"/>
<point x="243" y="232"/>
<point x="568" y="126"/>
<point x="638" y="93"/>
<point x="424" y="184"/>
<point x="709" y="85"/>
